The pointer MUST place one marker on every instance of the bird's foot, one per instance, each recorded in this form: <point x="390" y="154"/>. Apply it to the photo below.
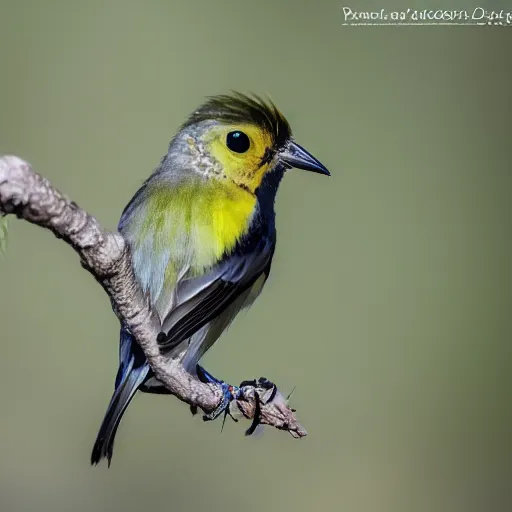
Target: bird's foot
<point x="261" y="383"/>
<point x="229" y="393"/>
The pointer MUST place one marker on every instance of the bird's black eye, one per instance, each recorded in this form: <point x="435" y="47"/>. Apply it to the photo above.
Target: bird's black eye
<point x="238" y="141"/>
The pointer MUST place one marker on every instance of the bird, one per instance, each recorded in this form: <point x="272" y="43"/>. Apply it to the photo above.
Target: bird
<point x="201" y="233"/>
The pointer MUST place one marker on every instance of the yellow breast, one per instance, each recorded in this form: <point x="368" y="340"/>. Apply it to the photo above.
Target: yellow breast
<point x="198" y="221"/>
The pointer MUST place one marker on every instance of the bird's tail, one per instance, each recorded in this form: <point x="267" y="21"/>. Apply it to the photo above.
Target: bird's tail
<point x="129" y="382"/>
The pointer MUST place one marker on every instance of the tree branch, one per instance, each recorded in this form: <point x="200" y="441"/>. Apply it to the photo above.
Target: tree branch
<point x="105" y="255"/>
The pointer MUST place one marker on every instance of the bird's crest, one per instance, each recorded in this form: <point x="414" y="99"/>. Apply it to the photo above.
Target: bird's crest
<point x="240" y="108"/>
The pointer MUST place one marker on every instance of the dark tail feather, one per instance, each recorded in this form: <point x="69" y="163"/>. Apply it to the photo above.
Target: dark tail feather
<point x="130" y="382"/>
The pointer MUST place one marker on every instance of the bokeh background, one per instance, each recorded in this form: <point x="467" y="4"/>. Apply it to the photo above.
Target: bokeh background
<point x="389" y="304"/>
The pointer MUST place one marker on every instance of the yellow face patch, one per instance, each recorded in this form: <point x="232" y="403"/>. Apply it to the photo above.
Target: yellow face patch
<point x="247" y="168"/>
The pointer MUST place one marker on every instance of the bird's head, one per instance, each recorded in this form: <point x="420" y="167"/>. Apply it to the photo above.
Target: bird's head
<point x="239" y="138"/>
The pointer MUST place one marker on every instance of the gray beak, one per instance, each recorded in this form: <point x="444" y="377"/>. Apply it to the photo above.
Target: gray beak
<point x="296" y="156"/>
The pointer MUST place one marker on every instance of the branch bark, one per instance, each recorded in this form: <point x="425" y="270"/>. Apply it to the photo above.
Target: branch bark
<point x="106" y="256"/>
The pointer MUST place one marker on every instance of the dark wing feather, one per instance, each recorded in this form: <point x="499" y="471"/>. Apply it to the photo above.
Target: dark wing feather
<point x="202" y="299"/>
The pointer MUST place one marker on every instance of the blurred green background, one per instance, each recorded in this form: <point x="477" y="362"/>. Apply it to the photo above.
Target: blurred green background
<point x="389" y="303"/>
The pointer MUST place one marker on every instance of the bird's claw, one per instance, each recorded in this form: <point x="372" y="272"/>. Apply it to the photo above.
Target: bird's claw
<point x="229" y="393"/>
<point x="256" y="420"/>
<point x="262" y="383"/>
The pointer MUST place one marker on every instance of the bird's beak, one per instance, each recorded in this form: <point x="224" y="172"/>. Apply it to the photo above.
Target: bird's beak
<point x="296" y="156"/>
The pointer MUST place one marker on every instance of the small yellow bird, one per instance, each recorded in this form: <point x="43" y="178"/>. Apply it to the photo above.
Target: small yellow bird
<point x="201" y="230"/>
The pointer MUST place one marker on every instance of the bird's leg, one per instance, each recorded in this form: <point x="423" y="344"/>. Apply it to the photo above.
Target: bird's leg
<point x="229" y="393"/>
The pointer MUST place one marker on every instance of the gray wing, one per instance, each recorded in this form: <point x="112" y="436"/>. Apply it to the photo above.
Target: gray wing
<point x="201" y="301"/>
<point x="202" y="341"/>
